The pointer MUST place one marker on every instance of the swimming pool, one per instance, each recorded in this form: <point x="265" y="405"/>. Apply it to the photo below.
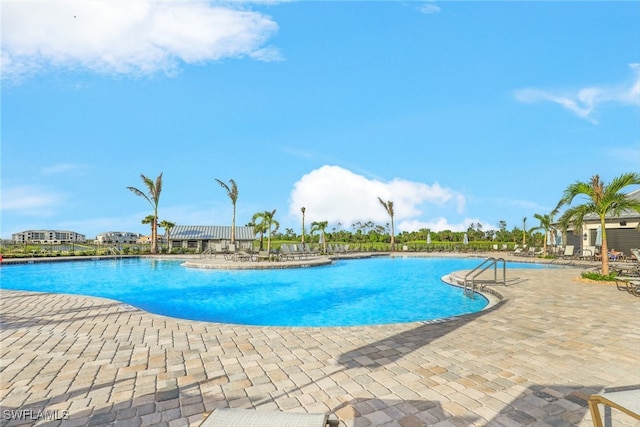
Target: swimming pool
<point x="346" y="293"/>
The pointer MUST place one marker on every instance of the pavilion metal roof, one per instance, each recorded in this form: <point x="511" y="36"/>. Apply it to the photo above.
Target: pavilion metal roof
<point x="210" y="232"/>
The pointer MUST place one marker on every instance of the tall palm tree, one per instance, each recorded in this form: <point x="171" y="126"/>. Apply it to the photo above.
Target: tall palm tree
<point x="321" y="227"/>
<point x="272" y="226"/>
<point x="167" y="225"/>
<point x="524" y="231"/>
<point x="153" y="197"/>
<point x="545" y="225"/>
<point x="601" y="199"/>
<point x="388" y="206"/>
<point x="303" y="210"/>
<point x="232" y="192"/>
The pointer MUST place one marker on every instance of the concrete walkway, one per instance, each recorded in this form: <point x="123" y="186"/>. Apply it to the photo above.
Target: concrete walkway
<point x="531" y="360"/>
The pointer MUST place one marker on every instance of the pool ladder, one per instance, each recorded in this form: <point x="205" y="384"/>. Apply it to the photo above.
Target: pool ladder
<point x="470" y="278"/>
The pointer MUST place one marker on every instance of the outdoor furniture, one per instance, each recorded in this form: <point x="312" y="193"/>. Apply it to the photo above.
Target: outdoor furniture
<point x="263" y="256"/>
<point x="625" y="399"/>
<point x="568" y="251"/>
<point x="629" y="284"/>
<point x="227" y="417"/>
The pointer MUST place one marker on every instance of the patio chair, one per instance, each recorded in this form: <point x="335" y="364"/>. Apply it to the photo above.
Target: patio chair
<point x="625" y="399"/>
<point x="568" y="252"/>
<point x="227" y="417"/>
<point x="629" y="284"/>
<point x="229" y="254"/>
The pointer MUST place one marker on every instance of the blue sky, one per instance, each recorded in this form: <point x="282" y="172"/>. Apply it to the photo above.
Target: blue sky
<point x="458" y="112"/>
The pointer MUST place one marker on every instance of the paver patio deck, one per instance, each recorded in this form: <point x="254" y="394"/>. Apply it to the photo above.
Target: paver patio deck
<point x="530" y="360"/>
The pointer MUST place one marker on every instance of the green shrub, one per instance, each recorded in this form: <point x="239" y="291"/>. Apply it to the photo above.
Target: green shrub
<point x="599" y="277"/>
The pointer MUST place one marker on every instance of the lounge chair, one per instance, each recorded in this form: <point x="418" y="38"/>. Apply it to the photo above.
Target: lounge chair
<point x="230" y="252"/>
<point x="568" y="252"/>
<point x="625" y="399"/>
<point x="263" y="256"/>
<point x="629" y="284"/>
<point x="217" y="250"/>
<point x="225" y="417"/>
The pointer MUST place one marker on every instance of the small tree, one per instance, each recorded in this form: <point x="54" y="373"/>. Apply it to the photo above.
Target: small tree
<point x="153" y="197"/>
<point x="259" y="226"/>
<point x="167" y="225"/>
<point x="321" y="226"/>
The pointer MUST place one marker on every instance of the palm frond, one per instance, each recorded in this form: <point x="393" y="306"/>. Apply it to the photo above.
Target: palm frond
<point x="138" y="192"/>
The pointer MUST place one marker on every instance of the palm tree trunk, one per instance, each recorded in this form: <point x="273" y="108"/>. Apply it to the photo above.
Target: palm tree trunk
<point x="605" y="248"/>
<point x="154" y="235"/>
<point x="233" y="226"/>
<point x="393" y="236"/>
<point x="269" y="243"/>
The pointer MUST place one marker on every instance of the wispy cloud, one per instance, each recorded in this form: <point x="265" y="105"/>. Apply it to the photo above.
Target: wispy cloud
<point x="62" y="168"/>
<point x="139" y="37"/>
<point x="441" y="223"/>
<point x="429" y="8"/>
<point x="335" y="194"/>
<point x="30" y="200"/>
<point x="584" y="102"/>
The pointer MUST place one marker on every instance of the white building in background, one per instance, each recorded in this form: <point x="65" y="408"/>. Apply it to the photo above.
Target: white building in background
<point x="117" y="237"/>
<point x="48" y="236"/>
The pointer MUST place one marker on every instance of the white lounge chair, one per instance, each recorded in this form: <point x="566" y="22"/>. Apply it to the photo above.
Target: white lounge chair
<point x="226" y="417"/>
<point x="568" y="251"/>
<point x="625" y="399"/>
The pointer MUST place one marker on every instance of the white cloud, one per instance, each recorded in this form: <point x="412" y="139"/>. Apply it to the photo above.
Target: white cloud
<point x="334" y="194"/>
<point x="429" y="8"/>
<point x="62" y="168"/>
<point x="585" y="101"/>
<point x="440" y="224"/>
<point x="140" y="37"/>
<point x="30" y="200"/>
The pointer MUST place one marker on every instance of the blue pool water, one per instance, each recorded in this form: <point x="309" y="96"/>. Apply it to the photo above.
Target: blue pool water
<point x="353" y="292"/>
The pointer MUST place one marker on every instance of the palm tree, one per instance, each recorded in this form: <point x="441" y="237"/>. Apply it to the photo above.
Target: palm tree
<point x="524" y="231"/>
<point x="321" y="227"/>
<point x="601" y="200"/>
<point x="272" y="227"/>
<point x="153" y="197"/>
<point x="303" y="210"/>
<point x="259" y="227"/>
<point x="232" y="192"/>
<point x="389" y="208"/>
<point x="267" y="225"/>
<point x="167" y="225"/>
<point x="148" y="220"/>
<point x="545" y="224"/>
